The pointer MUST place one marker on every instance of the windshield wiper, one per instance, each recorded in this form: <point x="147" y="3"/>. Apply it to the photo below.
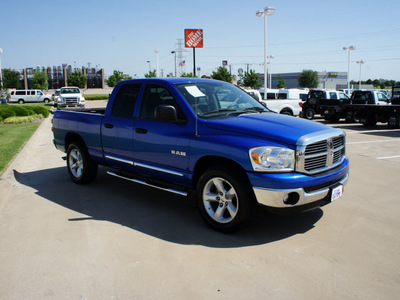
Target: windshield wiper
<point x="256" y="109"/>
<point x="218" y="111"/>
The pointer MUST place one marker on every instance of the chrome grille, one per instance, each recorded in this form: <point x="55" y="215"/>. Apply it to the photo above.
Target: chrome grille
<point x="71" y="100"/>
<point x="318" y="154"/>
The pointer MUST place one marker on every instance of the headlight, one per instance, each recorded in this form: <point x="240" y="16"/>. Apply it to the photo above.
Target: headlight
<point x="272" y="159"/>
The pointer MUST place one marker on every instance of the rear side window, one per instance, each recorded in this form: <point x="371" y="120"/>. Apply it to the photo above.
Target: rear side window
<point x="124" y="103"/>
<point x="33" y="93"/>
<point x="20" y="93"/>
<point x="333" y="95"/>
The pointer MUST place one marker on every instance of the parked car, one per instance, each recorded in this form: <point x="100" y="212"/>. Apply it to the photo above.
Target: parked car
<point x="23" y="96"/>
<point x="70" y="96"/>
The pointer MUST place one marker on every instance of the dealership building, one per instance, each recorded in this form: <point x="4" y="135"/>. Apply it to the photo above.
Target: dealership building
<point x="327" y="80"/>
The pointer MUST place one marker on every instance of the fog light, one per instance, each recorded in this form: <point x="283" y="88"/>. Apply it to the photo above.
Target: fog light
<point x="291" y="199"/>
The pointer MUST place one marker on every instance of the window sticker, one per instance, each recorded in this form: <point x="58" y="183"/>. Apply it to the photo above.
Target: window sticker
<point x="194" y="91"/>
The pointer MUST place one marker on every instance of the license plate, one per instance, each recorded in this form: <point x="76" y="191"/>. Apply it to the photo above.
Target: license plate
<point x="337" y="192"/>
<point x="327" y="112"/>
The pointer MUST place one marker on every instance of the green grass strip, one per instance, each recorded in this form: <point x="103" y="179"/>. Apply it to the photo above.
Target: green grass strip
<point x="13" y="138"/>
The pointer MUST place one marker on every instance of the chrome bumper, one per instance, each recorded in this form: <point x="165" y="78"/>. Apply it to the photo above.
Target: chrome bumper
<point x="275" y="198"/>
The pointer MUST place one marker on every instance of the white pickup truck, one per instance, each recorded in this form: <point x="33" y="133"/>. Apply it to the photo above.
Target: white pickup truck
<point x="283" y="101"/>
<point x="69" y="96"/>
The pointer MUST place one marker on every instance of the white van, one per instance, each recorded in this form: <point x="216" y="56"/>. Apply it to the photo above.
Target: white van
<point x="293" y="94"/>
<point x="22" y="96"/>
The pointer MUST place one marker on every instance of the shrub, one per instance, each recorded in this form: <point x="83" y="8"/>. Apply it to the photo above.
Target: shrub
<point x="7" y="112"/>
<point x="40" y="110"/>
<point x="96" y="97"/>
<point x="20" y="111"/>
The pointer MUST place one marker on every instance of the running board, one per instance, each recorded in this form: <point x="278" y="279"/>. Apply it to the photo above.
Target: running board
<point x="147" y="184"/>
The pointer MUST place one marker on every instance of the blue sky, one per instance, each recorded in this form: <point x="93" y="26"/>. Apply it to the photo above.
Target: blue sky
<point x="123" y="35"/>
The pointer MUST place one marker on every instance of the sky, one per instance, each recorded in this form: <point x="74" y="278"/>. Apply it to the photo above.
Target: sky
<point x="123" y="35"/>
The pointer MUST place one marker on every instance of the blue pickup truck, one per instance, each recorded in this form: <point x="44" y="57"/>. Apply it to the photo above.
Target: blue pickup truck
<point x="209" y="139"/>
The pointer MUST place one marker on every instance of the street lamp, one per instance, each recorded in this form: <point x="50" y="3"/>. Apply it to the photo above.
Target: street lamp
<point x="359" y="79"/>
<point x="348" y="49"/>
<point x="270" y="70"/>
<point x="149" y="65"/>
<point x="157" y="52"/>
<point x="174" y="52"/>
<point x="1" y="74"/>
<point x="268" y="11"/>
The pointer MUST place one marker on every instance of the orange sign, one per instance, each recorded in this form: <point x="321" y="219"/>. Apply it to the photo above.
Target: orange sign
<point x="194" y="38"/>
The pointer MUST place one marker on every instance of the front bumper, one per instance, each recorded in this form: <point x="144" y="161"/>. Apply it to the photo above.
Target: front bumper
<point x="295" y="197"/>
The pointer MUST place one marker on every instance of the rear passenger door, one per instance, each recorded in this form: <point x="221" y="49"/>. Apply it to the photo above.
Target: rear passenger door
<point x="118" y="126"/>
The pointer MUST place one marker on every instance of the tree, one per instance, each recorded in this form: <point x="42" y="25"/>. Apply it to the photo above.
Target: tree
<point x="309" y="79"/>
<point x="189" y="75"/>
<point x="11" y="79"/>
<point x="77" y="79"/>
<point x="40" y="81"/>
<point x="281" y="83"/>
<point x="251" y="79"/>
<point x="116" y="77"/>
<point x="151" y="74"/>
<point x="222" y="74"/>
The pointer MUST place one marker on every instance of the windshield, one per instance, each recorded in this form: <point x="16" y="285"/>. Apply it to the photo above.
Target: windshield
<point x="218" y="99"/>
<point x="70" y="91"/>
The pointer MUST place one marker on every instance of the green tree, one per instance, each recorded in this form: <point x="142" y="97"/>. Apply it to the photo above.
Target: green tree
<point x="11" y="79"/>
<point x="251" y="79"/>
<point x="116" y="77"/>
<point x="189" y="75"/>
<point x="222" y="74"/>
<point x="309" y="79"/>
<point x="77" y="79"/>
<point x="40" y="81"/>
<point x="281" y="83"/>
<point x="151" y="74"/>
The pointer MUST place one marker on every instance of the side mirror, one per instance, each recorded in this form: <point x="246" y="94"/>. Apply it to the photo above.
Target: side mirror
<point x="166" y="113"/>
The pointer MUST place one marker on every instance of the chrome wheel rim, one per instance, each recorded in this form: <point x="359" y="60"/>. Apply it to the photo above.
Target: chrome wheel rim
<point x="220" y="200"/>
<point x="75" y="163"/>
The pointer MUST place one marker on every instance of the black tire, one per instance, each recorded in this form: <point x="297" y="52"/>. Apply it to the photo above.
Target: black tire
<point x="46" y="101"/>
<point x="80" y="167"/>
<point x="21" y="101"/>
<point x="309" y="114"/>
<point x="370" y="122"/>
<point x="226" y="201"/>
<point x="286" y="112"/>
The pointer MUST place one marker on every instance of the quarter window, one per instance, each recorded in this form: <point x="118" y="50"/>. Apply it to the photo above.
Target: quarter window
<point x="124" y="103"/>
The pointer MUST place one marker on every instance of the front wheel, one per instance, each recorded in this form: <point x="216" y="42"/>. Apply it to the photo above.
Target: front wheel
<point x="309" y="114"/>
<point x="80" y="167"/>
<point x="225" y="200"/>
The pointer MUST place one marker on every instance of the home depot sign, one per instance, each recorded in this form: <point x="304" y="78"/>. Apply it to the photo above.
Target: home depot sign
<point x="194" y="38"/>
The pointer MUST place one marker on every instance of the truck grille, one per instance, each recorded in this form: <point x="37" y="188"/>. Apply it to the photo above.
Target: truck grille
<point x="322" y="155"/>
<point x="71" y="100"/>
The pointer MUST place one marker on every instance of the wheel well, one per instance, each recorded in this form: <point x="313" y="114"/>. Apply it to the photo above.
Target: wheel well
<point x="71" y="137"/>
<point x="287" y="110"/>
<point x="207" y="162"/>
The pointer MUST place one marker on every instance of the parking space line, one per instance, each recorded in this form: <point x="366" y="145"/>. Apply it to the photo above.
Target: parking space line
<point x="388" y="157"/>
<point x="376" y="141"/>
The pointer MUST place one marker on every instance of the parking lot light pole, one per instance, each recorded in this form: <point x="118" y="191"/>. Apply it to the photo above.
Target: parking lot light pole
<point x="270" y="57"/>
<point x="174" y="52"/>
<point x="268" y="11"/>
<point x="1" y="73"/>
<point x="157" y="51"/>
<point x="359" y="78"/>
<point x="348" y="49"/>
<point x="149" y="62"/>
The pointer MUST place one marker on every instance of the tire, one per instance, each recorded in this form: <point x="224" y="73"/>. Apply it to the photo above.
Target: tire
<point x="309" y="114"/>
<point x="225" y="200"/>
<point x="370" y="122"/>
<point x="80" y="167"/>
<point x="21" y="101"/>
<point x="286" y="112"/>
<point x="46" y="101"/>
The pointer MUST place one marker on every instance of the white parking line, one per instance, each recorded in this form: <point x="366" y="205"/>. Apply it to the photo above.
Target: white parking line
<point x="376" y="141"/>
<point x="388" y="157"/>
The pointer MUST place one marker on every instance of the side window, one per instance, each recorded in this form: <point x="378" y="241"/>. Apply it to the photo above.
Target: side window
<point x="20" y="93"/>
<point x="155" y="95"/>
<point x="343" y="96"/>
<point x="333" y="96"/>
<point x="39" y="93"/>
<point x="33" y="93"/>
<point x="124" y="103"/>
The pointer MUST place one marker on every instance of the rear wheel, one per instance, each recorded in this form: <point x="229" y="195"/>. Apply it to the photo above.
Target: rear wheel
<point x="80" y="167"/>
<point x="309" y="113"/>
<point x="21" y="101"/>
<point x="286" y="112"/>
<point x="225" y="200"/>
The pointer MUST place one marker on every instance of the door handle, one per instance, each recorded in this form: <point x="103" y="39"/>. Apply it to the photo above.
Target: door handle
<point x="141" y="130"/>
<point x="108" y="125"/>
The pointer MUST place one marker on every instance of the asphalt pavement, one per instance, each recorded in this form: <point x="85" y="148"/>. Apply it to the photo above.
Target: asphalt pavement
<point x="117" y="240"/>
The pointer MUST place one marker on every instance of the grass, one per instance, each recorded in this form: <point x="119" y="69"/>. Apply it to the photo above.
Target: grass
<point x="96" y="97"/>
<point x="13" y="138"/>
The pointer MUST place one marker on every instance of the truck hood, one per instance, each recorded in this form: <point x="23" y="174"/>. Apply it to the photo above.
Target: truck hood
<point x="71" y="95"/>
<point x="280" y="128"/>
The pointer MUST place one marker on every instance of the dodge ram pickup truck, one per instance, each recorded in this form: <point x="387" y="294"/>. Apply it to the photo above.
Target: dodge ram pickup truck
<point x="208" y="139"/>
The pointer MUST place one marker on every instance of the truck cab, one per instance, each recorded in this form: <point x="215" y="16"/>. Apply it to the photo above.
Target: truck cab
<point x="369" y="97"/>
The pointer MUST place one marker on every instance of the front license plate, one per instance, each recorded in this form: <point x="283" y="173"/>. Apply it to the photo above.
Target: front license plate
<point x="337" y="192"/>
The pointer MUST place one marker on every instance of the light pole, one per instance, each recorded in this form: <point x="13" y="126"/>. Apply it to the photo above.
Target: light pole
<point x="174" y="52"/>
<point x="149" y="66"/>
<point x="348" y="49"/>
<point x="359" y="78"/>
<point x="157" y="52"/>
<point x="270" y="70"/>
<point x="268" y="11"/>
<point x="1" y="74"/>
